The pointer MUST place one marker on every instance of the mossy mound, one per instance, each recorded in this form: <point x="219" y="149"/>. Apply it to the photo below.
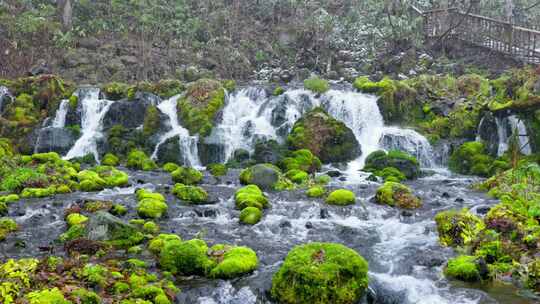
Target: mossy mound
<point x="190" y="194"/>
<point x="101" y="177"/>
<point x="110" y="160"/>
<point x="198" y="108"/>
<point x="250" y="215"/>
<point x="379" y="163"/>
<point x="463" y="267"/>
<point x="341" y="197"/>
<point x="398" y="195"/>
<point x="250" y="196"/>
<point x="151" y="205"/>
<point x="170" y="167"/>
<point x="187" y="176"/>
<point x="217" y="170"/>
<point x="458" y="228"/>
<point x="327" y="138"/>
<point x="265" y="176"/>
<point x="316" y="85"/>
<point x="471" y="158"/>
<point x="316" y="192"/>
<point x="301" y="160"/>
<point x="232" y="261"/>
<point x="297" y="176"/>
<point x="321" y="273"/>
<point x="186" y="258"/>
<point x="7" y="226"/>
<point x="137" y="159"/>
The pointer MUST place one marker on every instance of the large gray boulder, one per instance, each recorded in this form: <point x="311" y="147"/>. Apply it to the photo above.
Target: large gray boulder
<point x="58" y="140"/>
<point x="103" y="226"/>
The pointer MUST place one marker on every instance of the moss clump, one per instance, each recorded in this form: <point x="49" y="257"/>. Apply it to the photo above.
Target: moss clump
<point x="316" y="85"/>
<point x="10" y="198"/>
<point x="101" y="177"/>
<point x="158" y="243"/>
<point x="85" y="296"/>
<point x="321" y="273"/>
<point x="170" y="167"/>
<point x="391" y="174"/>
<point x="76" y="219"/>
<point x="217" y="169"/>
<point x="15" y="275"/>
<point x="278" y="91"/>
<point x="297" y="176"/>
<point x="137" y="159"/>
<point x="151" y="121"/>
<point x="327" y="138"/>
<point x="7" y="226"/>
<point x="250" y="215"/>
<point x="463" y="267"/>
<point x="316" y="192"/>
<point x="187" y="176"/>
<point x="458" y="228"/>
<point x="232" y="261"/>
<point x="110" y="160"/>
<point x="471" y="158"/>
<point x="186" y="258"/>
<point x="380" y="162"/>
<point x="151" y="205"/>
<point x="341" y="197"/>
<point x="115" y="90"/>
<point x="198" y="108"/>
<point x="118" y="210"/>
<point x="38" y="192"/>
<point x="250" y="196"/>
<point x="191" y="194"/>
<point x="47" y="296"/>
<point x="398" y="195"/>
<point x="301" y="160"/>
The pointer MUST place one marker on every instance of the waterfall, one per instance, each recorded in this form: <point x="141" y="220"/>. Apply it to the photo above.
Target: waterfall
<point x="188" y="144"/>
<point x="93" y="110"/>
<point x="505" y="129"/>
<point x="60" y="118"/>
<point x="410" y="141"/>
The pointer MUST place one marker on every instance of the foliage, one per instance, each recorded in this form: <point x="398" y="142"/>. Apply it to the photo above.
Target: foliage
<point x="317" y="85"/>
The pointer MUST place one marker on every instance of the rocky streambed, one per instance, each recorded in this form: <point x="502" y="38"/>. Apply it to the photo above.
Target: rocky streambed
<point x="405" y="259"/>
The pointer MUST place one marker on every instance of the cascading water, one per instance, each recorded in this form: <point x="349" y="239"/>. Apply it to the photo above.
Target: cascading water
<point x="60" y="118"/>
<point x="410" y="141"/>
<point x="93" y="109"/>
<point x="518" y="126"/>
<point x="188" y="144"/>
<point x="506" y="127"/>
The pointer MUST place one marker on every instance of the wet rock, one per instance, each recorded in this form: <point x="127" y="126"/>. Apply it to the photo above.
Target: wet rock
<point x="103" y="226"/>
<point x="285" y="224"/>
<point x="39" y="69"/>
<point x="309" y="225"/>
<point x="170" y="152"/>
<point x="324" y="214"/>
<point x="58" y="140"/>
<point x="406" y="213"/>
<point x="459" y="200"/>
<point x="483" y="210"/>
<point x="128" y="113"/>
<point x="286" y="76"/>
<point x="333" y="173"/>
<point x="264" y="176"/>
<point x="488" y="134"/>
<point x="383" y="293"/>
<point x="268" y="152"/>
<point x="445" y="195"/>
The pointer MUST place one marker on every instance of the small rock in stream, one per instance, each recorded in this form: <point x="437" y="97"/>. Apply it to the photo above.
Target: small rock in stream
<point x="309" y="225"/>
<point x="325" y="214"/>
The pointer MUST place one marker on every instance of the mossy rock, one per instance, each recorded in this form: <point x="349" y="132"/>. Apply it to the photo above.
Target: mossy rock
<point x="397" y="195"/>
<point x="217" y="170"/>
<point x="301" y="160"/>
<point x="458" y="228"/>
<point x="7" y="226"/>
<point x="137" y="159"/>
<point x="321" y="273"/>
<point x="297" y="176"/>
<point x="110" y="160"/>
<point x="233" y="261"/>
<point x="10" y="198"/>
<point x="200" y="105"/>
<point x="190" y="194"/>
<point x="170" y="167"/>
<point x="379" y="162"/>
<point x="316" y="85"/>
<point x="250" y="196"/>
<point x="471" y="158"/>
<point x="187" y="176"/>
<point x="151" y="121"/>
<point x="105" y="227"/>
<point x="158" y="243"/>
<point x="316" y="192"/>
<point x="341" y="197"/>
<point x="250" y="215"/>
<point x="101" y="177"/>
<point x="463" y="267"/>
<point x="38" y="192"/>
<point x="265" y="176"/>
<point x="186" y="258"/>
<point x="151" y="205"/>
<point x="327" y="138"/>
<point x="76" y="219"/>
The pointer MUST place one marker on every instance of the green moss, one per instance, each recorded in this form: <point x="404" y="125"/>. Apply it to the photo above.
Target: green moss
<point x="95" y="274"/>
<point x="321" y="273"/>
<point x="150" y="227"/>
<point x="229" y="85"/>
<point x="73" y="101"/>
<point x="101" y="177"/>
<point x="137" y="159"/>
<point x="341" y="197"/>
<point x="151" y="205"/>
<point x="186" y="258"/>
<point x="170" y="167"/>
<point x="142" y="194"/>
<point x="47" y="296"/>
<point x="316" y="192"/>
<point x="38" y="192"/>
<point x="297" y="176"/>
<point x="85" y="296"/>
<point x="14" y="277"/>
<point x="10" y="198"/>
<point x="76" y="219"/>
<point x="323" y="179"/>
<point x="250" y="196"/>
<point x="250" y="215"/>
<point x="151" y="121"/>
<point x="391" y="174"/>
<point x="278" y="91"/>
<point x="396" y="194"/>
<point x="74" y="232"/>
<point x="458" y="228"/>
<point x="157" y="244"/>
<point x="316" y="85"/>
<point x="233" y="261"/>
<point x="118" y="210"/>
<point x="301" y="160"/>
<point x="191" y="194"/>
<point x="394" y="164"/>
<point x="471" y="158"/>
<point x="217" y="169"/>
<point x="464" y="268"/>
<point x="110" y="160"/>
<point x="115" y="90"/>
<point x="200" y="105"/>
<point x="187" y="176"/>
<point x="7" y="226"/>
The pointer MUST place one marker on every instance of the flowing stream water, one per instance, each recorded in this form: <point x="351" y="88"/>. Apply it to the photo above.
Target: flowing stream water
<point x="401" y="247"/>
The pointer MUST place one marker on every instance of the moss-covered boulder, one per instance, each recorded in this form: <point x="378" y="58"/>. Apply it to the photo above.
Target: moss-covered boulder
<point x="103" y="226"/>
<point x="217" y="170"/>
<point x="297" y="176"/>
<point x="458" y="228"/>
<point x="321" y="273"/>
<point x="137" y="159"/>
<point x="110" y="160"/>
<point x="327" y="138"/>
<point x="316" y="85"/>
<point x="250" y="196"/>
<point x="265" y="176"/>
<point x="190" y="194"/>
<point x="158" y="243"/>
<point x="301" y="160"/>
<point x="186" y="258"/>
<point x="465" y="268"/>
<point x="397" y="195"/>
<point x="232" y="261"/>
<point x="316" y="192"/>
<point x="151" y="205"/>
<point x="187" y="176"/>
<point x="7" y="226"/>
<point x="199" y="106"/>
<point x="407" y="164"/>
<point x="101" y="177"/>
<point x="341" y="197"/>
<point x="250" y="215"/>
<point x="471" y="158"/>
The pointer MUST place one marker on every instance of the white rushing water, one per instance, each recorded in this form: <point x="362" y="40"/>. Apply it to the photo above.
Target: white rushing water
<point x="188" y="144"/>
<point x="60" y="117"/>
<point x="93" y="110"/>
<point x="506" y="127"/>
